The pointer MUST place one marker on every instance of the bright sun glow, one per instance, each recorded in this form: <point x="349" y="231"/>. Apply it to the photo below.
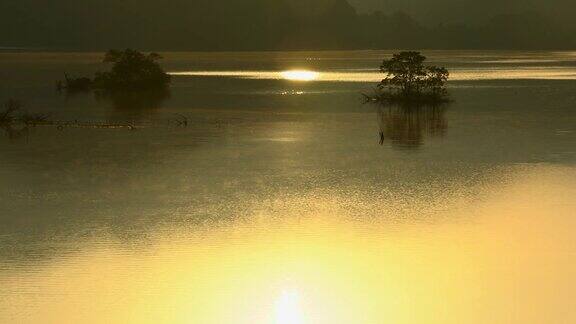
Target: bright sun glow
<point x="300" y="75"/>
<point x="288" y="310"/>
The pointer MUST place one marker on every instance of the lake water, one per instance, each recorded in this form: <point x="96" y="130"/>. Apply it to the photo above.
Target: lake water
<point x="288" y="200"/>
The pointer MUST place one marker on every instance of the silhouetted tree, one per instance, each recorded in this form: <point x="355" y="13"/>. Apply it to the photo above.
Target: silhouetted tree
<point x="73" y="85"/>
<point x="132" y="70"/>
<point x="408" y="79"/>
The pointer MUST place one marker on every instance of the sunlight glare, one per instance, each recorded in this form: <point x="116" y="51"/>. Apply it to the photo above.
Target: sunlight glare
<point x="300" y="75"/>
<point x="288" y="310"/>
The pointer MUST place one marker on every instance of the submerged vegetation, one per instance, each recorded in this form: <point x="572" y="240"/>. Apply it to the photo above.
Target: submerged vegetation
<point x="131" y="71"/>
<point x="17" y="126"/>
<point x="33" y="119"/>
<point x="16" y="122"/>
<point x="408" y="80"/>
<point x="8" y="116"/>
<point x="11" y="107"/>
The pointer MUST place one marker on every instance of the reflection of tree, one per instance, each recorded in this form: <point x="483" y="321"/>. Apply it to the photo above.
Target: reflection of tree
<point x="134" y="103"/>
<point x="406" y="126"/>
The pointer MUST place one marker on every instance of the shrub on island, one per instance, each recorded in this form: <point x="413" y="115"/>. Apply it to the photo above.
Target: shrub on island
<point x="131" y="71"/>
<point x="408" y="80"/>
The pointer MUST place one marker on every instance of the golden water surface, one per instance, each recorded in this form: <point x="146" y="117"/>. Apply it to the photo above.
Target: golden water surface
<point x="286" y="200"/>
<point x="506" y="255"/>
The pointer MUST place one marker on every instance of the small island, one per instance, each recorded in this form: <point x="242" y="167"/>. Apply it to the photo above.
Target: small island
<point x="409" y="80"/>
<point x="131" y="71"/>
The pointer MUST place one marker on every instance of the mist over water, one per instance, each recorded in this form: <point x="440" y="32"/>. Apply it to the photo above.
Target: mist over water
<point x="288" y="200"/>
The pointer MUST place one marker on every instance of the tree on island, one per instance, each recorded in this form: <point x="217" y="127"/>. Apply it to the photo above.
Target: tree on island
<point x="409" y="80"/>
<point x="131" y="71"/>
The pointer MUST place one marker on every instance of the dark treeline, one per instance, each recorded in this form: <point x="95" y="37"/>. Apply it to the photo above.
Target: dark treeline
<point x="257" y="25"/>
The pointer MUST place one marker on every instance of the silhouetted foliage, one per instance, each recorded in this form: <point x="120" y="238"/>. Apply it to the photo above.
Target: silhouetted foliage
<point x="409" y="80"/>
<point x="132" y="70"/>
<point x="7" y="116"/>
<point x="133" y="103"/>
<point x="15" y="127"/>
<point x="74" y="84"/>
<point x="33" y="119"/>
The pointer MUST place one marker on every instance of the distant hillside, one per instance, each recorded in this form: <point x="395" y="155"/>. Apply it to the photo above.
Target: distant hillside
<point x="432" y="12"/>
<point x="258" y="25"/>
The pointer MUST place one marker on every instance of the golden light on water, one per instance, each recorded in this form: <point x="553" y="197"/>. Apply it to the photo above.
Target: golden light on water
<point x="316" y="265"/>
<point x="460" y="74"/>
<point x="300" y="75"/>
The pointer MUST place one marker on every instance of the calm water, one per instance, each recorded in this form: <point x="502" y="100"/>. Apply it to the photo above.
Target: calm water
<point x="282" y="203"/>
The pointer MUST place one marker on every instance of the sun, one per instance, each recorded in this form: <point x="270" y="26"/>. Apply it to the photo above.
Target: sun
<point x="299" y="75"/>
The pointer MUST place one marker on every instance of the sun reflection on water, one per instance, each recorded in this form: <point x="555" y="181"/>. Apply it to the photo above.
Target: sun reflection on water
<point x="288" y="309"/>
<point x="302" y="259"/>
<point x="300" y="75"/>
